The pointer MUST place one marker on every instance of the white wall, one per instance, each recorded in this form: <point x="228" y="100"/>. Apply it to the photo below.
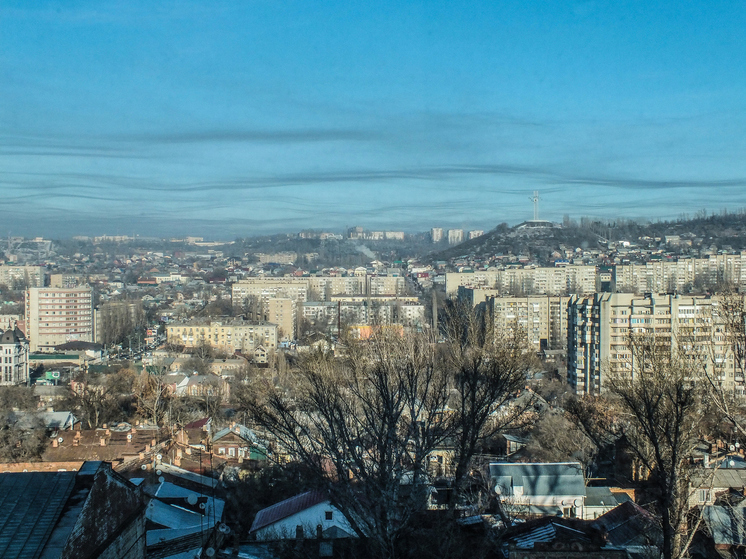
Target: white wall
<point x="309" y="519"/>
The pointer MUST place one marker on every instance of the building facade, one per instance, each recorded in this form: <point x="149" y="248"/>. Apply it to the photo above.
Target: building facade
<point x="229" y="336"/>
<point x="25" y="275"/>
<point x="55" y="316"/>
<point x="600" y="326"/>
<point x="543" y="318"/>
<point x="14" y="352"/>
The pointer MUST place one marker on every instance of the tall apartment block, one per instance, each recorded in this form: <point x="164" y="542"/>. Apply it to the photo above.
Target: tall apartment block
<point x="527" y="281"/>
<point x="55" y="316"/>
<point x="455" y="236"/>
<point x="26" y="275"/>
<point x="599" y="327"/>
<point x="542" y="317"/>
<point x="436" y="234"/>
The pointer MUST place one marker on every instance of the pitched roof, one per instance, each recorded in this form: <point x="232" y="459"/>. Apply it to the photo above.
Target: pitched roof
<point x="287" y="508"/>
<point x="244" y="432"/>
<point x="628" y="524"/>
<point x="12" y="336"/>
<point x="727" y="524"/>
<point x="31" y="504"/>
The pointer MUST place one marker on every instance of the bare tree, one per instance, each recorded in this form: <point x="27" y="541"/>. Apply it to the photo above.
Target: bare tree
<point x="365" y="426"/>
<point x="662" y="402"/>
<point x="488" y="369"/>
<point x="153" y="396"/>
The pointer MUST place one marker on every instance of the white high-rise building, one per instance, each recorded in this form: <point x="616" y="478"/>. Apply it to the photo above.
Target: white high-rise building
<point x="436" y="234"/>
<point x="57" y="315"/>
<point x="455" y="236"/>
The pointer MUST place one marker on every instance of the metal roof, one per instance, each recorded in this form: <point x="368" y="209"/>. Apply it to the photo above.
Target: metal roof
<point x="559" y="479"/>
<point x="727" y="524"/>
<point x="30" y="506"/>
<point x="287" y="508"/>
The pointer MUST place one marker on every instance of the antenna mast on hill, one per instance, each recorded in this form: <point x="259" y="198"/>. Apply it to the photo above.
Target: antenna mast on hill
<point x="535" y="200"/>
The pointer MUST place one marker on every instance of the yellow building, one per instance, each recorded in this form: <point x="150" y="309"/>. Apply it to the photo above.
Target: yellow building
<point x="229" y="336"/>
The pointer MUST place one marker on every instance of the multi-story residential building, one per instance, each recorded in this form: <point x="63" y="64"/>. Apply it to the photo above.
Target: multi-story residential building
<point x="542" y="317"/>
<point x="599" y="329"/>
<point x="25" y="276"/>
<point x="527" y="281"/>
<point x="475" y="233"/>
<point x="14" y="352"/>
<point x="455" y="236"/>
<point x="228" y="335"/>
<point x="367" y="311"/>
<point x="65" y="280"/>
<point x="264" y="289"/>
<point x="658" y="276"/>
<point x="283" y="312"/>
<point x="55" y="316"/>
<point x="436" y="234"/>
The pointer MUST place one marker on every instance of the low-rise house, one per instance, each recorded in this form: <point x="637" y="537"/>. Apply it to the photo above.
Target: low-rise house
<point x="301" y="516"/>
<point x="599" y="501"/>
<point x="540" y="489"/>
<point x="706" y="483"/>
<point x="238" y="443"/>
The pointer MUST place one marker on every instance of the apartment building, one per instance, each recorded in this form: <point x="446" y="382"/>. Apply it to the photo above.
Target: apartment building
<point x="14" y="353"/>
<point x="265" y="289"/>
<point x="436" y="234"/>
<point x="455" y="236"/>
<point x="599" y="327"/>
<point x="658" y="276"/>
<point x="56" y="315"/>
<point x="542" y="317"/>
<point x="283" y="312"/>
<point x="367" y="311"/>
<point x="25" y="275"/>
<point x="224" y="335"/>
<point x="527" y="281"/>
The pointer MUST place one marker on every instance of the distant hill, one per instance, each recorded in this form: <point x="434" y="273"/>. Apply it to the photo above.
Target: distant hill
<point x="727" y="231"/>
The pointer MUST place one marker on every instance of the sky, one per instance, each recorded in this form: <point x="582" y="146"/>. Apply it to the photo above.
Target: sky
<point x="229" y="118"/>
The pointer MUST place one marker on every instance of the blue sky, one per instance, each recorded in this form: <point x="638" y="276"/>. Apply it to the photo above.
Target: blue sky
<point x="230" y="118"/>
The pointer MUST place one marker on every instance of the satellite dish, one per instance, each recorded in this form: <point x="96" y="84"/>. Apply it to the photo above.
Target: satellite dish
<point x="202" y="506"/>
<point x="732" y="463"/>
<point x="144" y="467"/>
<point x="158" y="457"/>
<point x="210" y="552"/>
<point x="224" y="528"/>
<point x="158" y="472"/>
<point x="738" y="445"/>
<point x="731" y="447"/>
<point x="498" y="490"/>
<point x="578" y="502"/>
<point x="129" y="437"/>
<point x="60" y="440"/>
<point x="161" y="479"/>
<point x="192" y="499"/>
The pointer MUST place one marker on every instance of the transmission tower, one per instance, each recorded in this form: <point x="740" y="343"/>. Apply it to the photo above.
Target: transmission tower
<point x="535" y="200"/>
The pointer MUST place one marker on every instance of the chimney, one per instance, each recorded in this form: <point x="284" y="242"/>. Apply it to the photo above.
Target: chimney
<point x="103" y="441"/>
<point x="55" y="444"/>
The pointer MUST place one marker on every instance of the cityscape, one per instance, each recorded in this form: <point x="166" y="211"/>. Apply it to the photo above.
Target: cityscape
<point x="386" y="280"/>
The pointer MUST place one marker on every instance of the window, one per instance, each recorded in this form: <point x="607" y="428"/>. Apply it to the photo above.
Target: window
<point x="231" y="451"/>
<point x="221" y="450"/>
<point x="328" y="515"/>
